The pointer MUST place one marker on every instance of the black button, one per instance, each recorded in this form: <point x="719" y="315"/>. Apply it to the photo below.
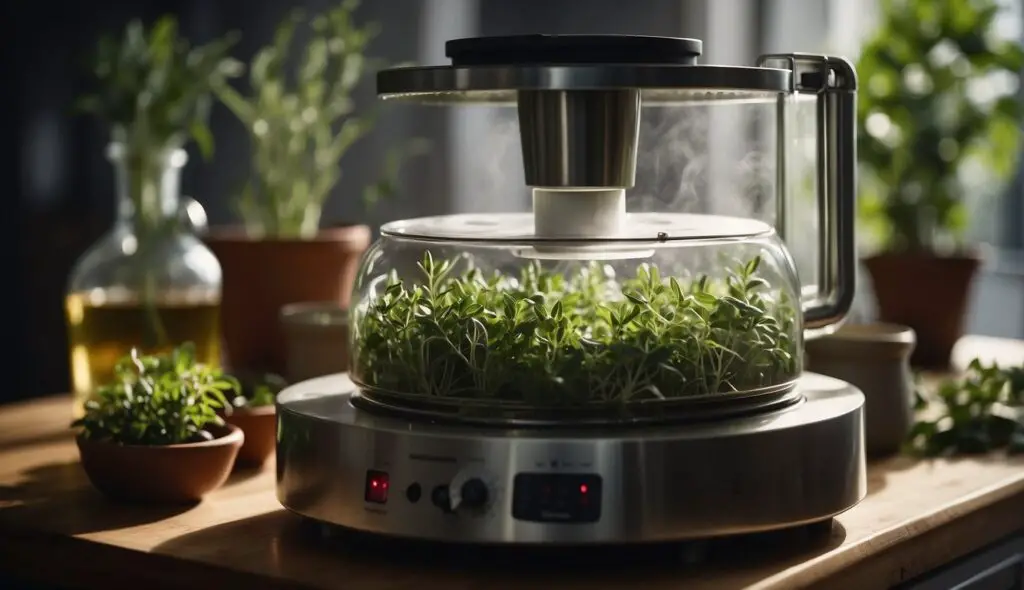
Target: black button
<point x="413" y="492"/>
<point x="441" y="499"/>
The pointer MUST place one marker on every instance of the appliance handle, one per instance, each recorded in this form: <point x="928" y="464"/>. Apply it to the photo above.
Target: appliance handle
<point x="834" y="80"/>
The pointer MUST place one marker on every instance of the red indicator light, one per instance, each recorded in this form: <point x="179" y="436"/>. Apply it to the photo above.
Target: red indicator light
<point x="376" y="487"/>
<point x="583" y="488"/>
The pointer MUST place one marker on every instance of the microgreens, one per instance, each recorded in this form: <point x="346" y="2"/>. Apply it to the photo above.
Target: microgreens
<point x="158" y="400"/>
<point x="548" y="338"/>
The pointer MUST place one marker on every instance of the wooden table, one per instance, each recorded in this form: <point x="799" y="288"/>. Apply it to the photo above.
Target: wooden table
<point x="55" y="529"/>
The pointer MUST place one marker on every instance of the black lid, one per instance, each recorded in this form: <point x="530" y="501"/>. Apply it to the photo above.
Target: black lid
<point x="573" y="49"/>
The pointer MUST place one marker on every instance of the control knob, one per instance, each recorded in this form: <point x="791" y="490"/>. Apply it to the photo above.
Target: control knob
<point x="473" y="493"/>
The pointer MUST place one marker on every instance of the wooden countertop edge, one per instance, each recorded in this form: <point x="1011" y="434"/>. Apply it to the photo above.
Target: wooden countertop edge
<point x="71" y="562"/>
<point x="900" y="553"/>
<point x="940" y="536"/>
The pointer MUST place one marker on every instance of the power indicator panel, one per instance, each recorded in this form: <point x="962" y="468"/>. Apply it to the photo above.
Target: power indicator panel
<point x="377" y="485"/>
<point x="557" y="497"/>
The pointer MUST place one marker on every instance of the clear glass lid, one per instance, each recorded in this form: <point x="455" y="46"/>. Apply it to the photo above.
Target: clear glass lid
<point x="521" y="228"/>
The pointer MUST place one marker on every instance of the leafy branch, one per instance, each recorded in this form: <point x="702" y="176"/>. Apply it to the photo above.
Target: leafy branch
<point x="159" y="399"/>
<point x="155" y="90"/>
<point x="939" y="92"/>
<point x="980" y="412"/>
<point x="301" y="125"/>
<point x="550" y="339"/>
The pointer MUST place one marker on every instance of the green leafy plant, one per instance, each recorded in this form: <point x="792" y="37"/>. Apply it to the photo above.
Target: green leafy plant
<point x="155" y="90"/>
<point x="977" y="413"/>
<point x="551" y="339"/>
<point x="301" y="126"/>
<point x="161" y="399"/>
<point x="938" y="91"/>
<point x="257" y="390"/>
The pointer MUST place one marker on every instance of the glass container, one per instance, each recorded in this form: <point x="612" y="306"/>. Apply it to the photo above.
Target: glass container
<point x="148" y="283"/>
<point x="655" y="274"/>
<point x="472" y="315"/>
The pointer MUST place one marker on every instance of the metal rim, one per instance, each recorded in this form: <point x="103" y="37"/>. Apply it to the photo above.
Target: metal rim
<point x="469" y="412"/>
<point x="497" y="84"/>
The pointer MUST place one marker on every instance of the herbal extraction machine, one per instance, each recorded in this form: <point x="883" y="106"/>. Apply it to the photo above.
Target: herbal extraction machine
<point x="587" y="373"/>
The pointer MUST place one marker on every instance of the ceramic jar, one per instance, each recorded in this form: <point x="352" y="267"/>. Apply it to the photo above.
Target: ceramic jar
<point x="875" y="358"/>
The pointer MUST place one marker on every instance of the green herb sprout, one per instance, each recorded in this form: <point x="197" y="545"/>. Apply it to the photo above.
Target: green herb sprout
<point x="977" y="413"/>
<point x="160" y="399"/>
<point x="257" y="390"/>
<point x="547" y="339"/>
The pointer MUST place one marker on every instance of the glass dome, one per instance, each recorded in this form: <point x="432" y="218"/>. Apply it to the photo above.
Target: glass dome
<point x="475" y="316"/>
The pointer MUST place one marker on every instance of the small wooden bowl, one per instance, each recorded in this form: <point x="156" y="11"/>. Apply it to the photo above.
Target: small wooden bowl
<point x="161" y="473"/>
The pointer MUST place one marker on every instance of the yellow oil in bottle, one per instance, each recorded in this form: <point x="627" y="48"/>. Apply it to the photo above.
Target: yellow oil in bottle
<point x="104" y="327"/>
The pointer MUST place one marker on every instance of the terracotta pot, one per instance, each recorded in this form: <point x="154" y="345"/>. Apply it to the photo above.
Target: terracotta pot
<point x="162" y="473"/>
<point x="316" y="336"/>
<point x="929" y="294"/>
<point x="260" y="427"/>
<point x="875" y="358"/>
<point x="262" y="276"/>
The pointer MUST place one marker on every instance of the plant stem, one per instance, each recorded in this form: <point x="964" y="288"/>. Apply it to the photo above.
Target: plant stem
<point x="144" y="166"/>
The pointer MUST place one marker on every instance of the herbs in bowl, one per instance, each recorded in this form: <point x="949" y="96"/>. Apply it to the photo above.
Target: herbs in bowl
<point x="578" y="340"/>
<point x="253" y="409"/>
<point x="154" y="432"/>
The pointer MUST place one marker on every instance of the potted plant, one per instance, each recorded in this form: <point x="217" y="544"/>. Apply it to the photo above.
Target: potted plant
<point x="154" y="433"/>
<point x="300" y="127"/>
<point x="252" y="409"/>
<point x="937" y="113"/>
<point x="149" y="282"/>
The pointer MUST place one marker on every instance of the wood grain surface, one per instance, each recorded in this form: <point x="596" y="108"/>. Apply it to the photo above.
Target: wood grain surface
<point x="56" y="529"/>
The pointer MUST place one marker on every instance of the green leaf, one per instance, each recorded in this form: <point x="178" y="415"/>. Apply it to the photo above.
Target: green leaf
<point x="203" y="138"/>
<point x="705" y="299"/>
<point x="751" y="267"/>
<point x="636" y="298"/>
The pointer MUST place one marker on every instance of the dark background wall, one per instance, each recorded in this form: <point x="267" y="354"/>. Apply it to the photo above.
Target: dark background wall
<point x="58" y="195"/>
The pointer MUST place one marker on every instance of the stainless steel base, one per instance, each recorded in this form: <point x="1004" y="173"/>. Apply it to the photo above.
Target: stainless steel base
<point x="391" y="476"/>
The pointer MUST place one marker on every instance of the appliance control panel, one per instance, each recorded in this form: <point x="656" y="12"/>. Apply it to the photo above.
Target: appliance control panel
<point x="557" y="497"/>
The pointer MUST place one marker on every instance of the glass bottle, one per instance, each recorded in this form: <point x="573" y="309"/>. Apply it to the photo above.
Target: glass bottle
<point x="149" y="282"/>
